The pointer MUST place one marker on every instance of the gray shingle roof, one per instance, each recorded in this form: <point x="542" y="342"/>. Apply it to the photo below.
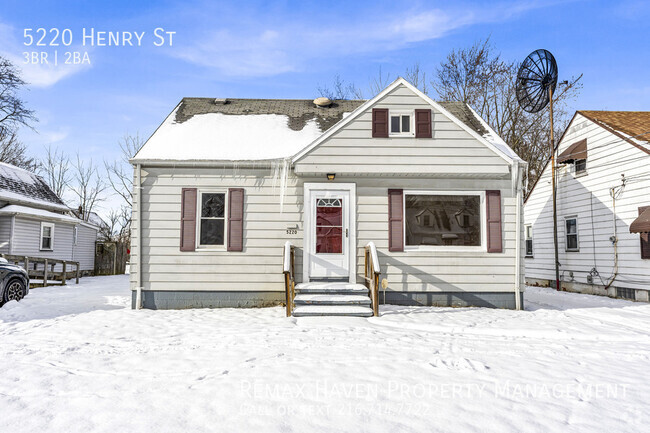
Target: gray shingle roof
<point x="464" y="114"/>
<point x="16" y="182"/>
<point x="299" y="111"/>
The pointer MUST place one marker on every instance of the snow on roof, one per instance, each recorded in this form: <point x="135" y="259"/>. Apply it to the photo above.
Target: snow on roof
<point x="241" y="129"/>
<point x="494" y="139"/>
<point x="19" y="185"/>
<point x="216" y="136"/>
<point x="205" y="129"/>
<point x="13" y="209"/>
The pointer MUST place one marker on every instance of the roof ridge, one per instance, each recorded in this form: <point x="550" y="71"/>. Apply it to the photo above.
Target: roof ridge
<point x="15" y="167"/>
<point x="268" y="99"/>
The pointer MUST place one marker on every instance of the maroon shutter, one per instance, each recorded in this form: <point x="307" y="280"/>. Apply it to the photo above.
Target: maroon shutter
<point x="395" y="220"/>
<point x="188" y="219"/>
<point x="422" y="123"/>
<point x="235" y="219"/>
<point x="493" y="199"/>
<point x="380" y="122"/>
<point x="645" y="239"/>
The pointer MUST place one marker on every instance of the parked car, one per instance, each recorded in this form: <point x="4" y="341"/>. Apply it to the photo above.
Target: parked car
<point x="14" y="282"/>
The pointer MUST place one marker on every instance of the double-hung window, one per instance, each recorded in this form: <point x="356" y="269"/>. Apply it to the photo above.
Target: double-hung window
<point x="443" y="219"/>
<point x="47" y="236"/>
<point x="401" y="124"/>
<point x="212" y="215"/>
<point x="571" y="233"/>
<point x="580" y="166"/>
<point x="529" y="240"/>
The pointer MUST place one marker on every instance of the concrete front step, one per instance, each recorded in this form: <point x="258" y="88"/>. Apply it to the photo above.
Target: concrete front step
<point x="332" y="310"/>
<point x="327" y="299"/>
<point x="331" y="288"/>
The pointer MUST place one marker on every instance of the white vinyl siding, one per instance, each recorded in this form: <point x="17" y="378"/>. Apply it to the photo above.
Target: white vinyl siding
<point x="27" y="242"/>
<point x="259" y="266"/>
<point x="588" y="197"/>
<point x="451" y="152"/>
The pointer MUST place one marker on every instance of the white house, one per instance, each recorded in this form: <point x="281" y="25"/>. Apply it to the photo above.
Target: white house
<point x="34" y="222"/>
<point x="224" y="184"/>
<point x="603" y="187"/>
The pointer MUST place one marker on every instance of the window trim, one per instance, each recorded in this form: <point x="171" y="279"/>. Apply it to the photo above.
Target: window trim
<point x="566" y="234"/>
<point x="577" y="173"/>
<point x="526" y="239"/>
<point x="75" y="235"/>
<point x="447" y="248"/>
<point x="43" y="225"/>
<point x="199" y="205"/>
<point x="411" y="114"/>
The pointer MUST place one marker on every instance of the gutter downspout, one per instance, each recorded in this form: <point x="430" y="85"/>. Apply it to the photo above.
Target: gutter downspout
<point x="138" y="288"/>
<point x="518" y="239"/>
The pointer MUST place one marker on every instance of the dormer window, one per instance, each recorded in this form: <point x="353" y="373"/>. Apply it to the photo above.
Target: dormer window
<point x="401" y="124"/>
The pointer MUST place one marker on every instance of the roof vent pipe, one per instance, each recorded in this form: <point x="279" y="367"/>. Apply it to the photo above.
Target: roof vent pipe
<point x="322" y="102"/>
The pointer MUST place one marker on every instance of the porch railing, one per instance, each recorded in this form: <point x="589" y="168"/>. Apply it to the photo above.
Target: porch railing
<point x="371" y="275"/>
<point x="40" y="268"/>
<point x="289" y="280"/>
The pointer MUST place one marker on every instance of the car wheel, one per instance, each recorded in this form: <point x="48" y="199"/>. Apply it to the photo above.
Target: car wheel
<point x="15" y="291"/>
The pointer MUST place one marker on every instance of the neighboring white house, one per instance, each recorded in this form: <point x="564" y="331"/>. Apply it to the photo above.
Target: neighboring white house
<point x="34" y="222"/>
<point x="224" y="183"/>
<point x="603" y="187"/>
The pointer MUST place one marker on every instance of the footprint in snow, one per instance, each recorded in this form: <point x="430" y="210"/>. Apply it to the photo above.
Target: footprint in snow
<point x="459" y="364"/>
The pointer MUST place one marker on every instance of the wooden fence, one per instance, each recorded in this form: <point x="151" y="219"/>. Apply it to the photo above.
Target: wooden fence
<point x="110" y="258"/>
<point x="39" y="268"/>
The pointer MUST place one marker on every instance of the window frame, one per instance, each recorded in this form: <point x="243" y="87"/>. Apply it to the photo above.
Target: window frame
<point x="528" y="238"/>
<point x="566" y="235"/>
<point x="199" y="199"/>
<point x="51" y="226"/>
<point x="575" y="167"/>
<point x="400" y="113"/>
<point x="448" y="248"/>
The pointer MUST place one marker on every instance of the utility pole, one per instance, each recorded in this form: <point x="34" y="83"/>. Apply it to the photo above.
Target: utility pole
<point x="554" y="187"/>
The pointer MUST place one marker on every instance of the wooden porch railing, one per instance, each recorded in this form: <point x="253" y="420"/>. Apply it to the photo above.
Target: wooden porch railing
<point x="371" y="275"/>
<point x="39" y="268"/>
<point x="289" y="280"/>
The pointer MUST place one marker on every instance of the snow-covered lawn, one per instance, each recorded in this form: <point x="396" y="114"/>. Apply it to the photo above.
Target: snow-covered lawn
<point x="78" y="359"/>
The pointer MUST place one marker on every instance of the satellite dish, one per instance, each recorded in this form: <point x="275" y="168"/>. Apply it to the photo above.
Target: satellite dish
<point x="537" y="75"/>
<point x="536" y="81"/>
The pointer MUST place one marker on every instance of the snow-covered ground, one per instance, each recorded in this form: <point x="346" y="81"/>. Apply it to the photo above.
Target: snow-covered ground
<point x="77" y="359"/>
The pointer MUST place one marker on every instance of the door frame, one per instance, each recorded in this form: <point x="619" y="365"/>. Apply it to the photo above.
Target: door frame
<point x="351" y="188"/>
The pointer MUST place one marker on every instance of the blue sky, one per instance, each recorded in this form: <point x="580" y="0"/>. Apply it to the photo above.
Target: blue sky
<point x="287" y="49"/>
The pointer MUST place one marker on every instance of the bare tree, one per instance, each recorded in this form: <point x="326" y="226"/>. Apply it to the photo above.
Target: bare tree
<point x="417" y="77"/>
<point x="12" y="151"/>
<point x="340" y="90"/>
<point x="379" y="83"/>
<point x="120" y="172"/>
<point x="479" y="77"/>
<point x="89" y="187"/>
<point x="55" y="167"/>
<point x="13" y="115"/>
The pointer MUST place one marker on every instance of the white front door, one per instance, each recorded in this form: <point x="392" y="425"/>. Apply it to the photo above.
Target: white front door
<point x="329" y="232"/>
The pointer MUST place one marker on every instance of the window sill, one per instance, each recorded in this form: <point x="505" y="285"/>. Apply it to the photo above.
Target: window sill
<point x="581" y="174"/>
<point x="572" y="251"/>
<point x="46" y="249"/>
<point x="449" y="249"/>
<point x="205" y="248"/>
<point x="401" y="135"/>
<point x="529" y="257"/>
